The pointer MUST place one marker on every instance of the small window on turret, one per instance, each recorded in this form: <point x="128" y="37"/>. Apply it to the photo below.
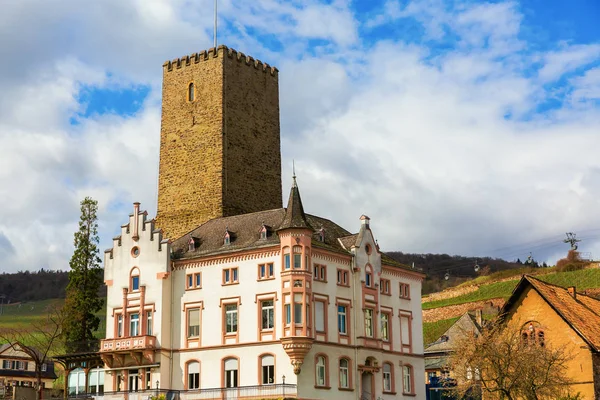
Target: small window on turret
<point x="191" y="92"/>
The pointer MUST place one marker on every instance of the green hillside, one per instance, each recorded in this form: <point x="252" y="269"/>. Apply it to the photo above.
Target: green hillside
<point x="582" y="280"/>
<point x="26" y="313"/>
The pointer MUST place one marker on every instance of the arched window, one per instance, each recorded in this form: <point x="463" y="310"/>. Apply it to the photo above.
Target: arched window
<point x="388" y="377"/>
<point x="230" y="370"/>
<point x="533" y="334"/>
<point x="267" y="363"/>
<point x="134" y="280"/>
<point x="368" y="276"/>
<point x="193" y="375"/>
<point x="191" y="92"/>
<point x="407" y="379"/>
<point x="345" y="371"/>
<point x="321" y="378"/>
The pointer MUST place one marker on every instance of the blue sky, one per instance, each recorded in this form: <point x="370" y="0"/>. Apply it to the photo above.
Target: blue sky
<point x="465" y="127"/>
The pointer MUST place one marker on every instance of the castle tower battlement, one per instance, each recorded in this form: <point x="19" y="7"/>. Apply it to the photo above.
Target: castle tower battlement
<point x="213" y="52"/>
<point x="220" y="145"/>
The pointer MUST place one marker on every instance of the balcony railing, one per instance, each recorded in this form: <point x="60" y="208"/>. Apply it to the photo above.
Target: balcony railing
<point x="128" y="343"/>
<point x="242" y="392"/>
<point x="279" y="391"/>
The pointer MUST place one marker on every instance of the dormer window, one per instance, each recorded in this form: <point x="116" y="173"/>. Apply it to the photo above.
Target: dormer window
<point x="227" y="239"/>
<point x="321" y="234"/>
<point x="191" y="244"/>
<point x="263" y="232"/>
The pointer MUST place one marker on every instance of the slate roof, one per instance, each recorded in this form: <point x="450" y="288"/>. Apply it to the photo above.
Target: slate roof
<point x="244" y="230"/>
<point x="465" y="324"/>
<point x="48" y="374"/>
<point x="294" y="213"/>
<point x="581" y="312"/>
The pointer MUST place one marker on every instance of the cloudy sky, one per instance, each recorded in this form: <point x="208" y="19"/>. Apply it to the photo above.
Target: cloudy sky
<point x="462" y="127"/>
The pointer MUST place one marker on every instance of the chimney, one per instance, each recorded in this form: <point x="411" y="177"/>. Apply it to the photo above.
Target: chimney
<point x="364" y="220"/>
<point x="572" y="291"/>
<point x="136" y="212"/>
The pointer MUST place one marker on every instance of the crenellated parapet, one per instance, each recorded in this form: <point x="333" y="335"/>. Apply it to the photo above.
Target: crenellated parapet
<point x="220" y="51"/>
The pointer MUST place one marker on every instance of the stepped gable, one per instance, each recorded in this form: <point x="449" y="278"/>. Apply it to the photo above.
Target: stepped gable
<point x="577" y="310"/>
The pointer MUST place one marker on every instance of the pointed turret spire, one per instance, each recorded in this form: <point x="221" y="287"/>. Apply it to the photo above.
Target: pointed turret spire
<point x="294" y="213"/>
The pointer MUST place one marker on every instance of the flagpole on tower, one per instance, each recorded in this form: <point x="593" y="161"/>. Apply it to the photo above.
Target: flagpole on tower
<point x="215" y="32"/>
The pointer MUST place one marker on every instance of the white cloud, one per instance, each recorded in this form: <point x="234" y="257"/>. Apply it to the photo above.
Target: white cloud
<point x="416" y="139"/>
<point x="566" y="59"/>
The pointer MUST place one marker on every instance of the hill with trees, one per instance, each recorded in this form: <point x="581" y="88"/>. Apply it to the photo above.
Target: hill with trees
<point x="25" y="286"/>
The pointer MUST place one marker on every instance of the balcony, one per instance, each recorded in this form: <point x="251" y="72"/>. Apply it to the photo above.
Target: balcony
<point x="266" y="392"/>
<point x="128" y="344"/>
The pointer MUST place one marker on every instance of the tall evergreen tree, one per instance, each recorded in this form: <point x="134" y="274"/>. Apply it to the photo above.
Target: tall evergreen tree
<point x="85" y="280"/>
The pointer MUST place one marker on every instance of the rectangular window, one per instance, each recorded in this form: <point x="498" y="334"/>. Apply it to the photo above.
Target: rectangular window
<point x="407" y="375"/>
<point x="149" y="323"/>
<point x="385" y="323"/>
<point x="288" y="313"/>
<point x="197" y="280"/>
<point x="268" y="374"/>
<point x="119" y="325"/>
<point x="320" y="316"/>
<point x="265" y="271"/>
<point x="44" y="367"/>
<point x="320" y="273"/>
<point x="384" y="286"/>
<point x="342" y="277"/>
<point x="231" y="318"/>
<point x="297" y="261"/>
<point x="193" y="323"/>
<point x="267" y="314"/>
<point x="405" y="331"/>
<point x="230" y="276"/>
<point x="342" y="323"/>
<point x="286" y="261"/>
<point x="404" y="290"/>
<point x="5" y="364"/>
<point x="298" y="313"/>
<point x="368" y="279"/>
<point x="193" y="375"/>
<point x="344" y="381"/>
<point x="190" y="281"/>
<point x="134" y="324"/>
<point x="369" y="322"/>
<point x="135" y="283"/>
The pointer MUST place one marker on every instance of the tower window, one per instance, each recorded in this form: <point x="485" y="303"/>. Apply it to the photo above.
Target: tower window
<point x="191" y="92"/>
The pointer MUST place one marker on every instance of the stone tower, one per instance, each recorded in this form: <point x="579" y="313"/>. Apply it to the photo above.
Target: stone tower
<point x="219" y="142"/>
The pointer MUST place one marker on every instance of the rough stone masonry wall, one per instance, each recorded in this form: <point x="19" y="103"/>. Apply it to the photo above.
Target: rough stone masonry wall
<point x="441" y="313"/>
<point x="252" y="161"/>
<point x="193" y="177"/>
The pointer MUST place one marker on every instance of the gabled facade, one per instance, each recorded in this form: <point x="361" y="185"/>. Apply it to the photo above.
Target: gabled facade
<point x="17" y="368"/>
<point x="230" y="307"/>
<point x="438" y="352"/>
<point x="249" y="299"/>
<point x="557" y="316"/>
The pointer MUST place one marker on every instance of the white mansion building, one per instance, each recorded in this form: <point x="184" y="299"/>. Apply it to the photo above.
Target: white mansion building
<point x="248" y="300"/>
<point x="257" y="299"/>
